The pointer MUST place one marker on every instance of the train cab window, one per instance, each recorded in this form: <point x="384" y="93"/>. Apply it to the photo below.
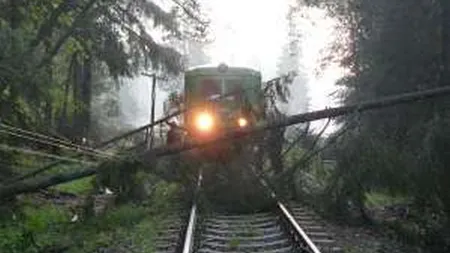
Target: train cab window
<point x="210" y="88"/>
<point x="234" y="87"/>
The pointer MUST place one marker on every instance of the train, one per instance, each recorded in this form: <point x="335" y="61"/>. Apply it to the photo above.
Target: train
<point x="217" y="99"/>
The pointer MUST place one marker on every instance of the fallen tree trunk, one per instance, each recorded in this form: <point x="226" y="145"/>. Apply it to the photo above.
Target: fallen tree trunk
<point x="125" y="135"/>
<point x="150" y="156"/>
<point x="42" y="183"/>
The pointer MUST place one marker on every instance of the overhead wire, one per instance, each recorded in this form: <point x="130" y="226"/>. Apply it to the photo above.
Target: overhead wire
<point x="50" y="140"/>
<point x="269" y="84"/>
<point x="181" y="111"/>
<point x="76" y="149"/>
<point x="11" y="190"/>
<point x="34" y="133"/>
<point x="38" y="153"/>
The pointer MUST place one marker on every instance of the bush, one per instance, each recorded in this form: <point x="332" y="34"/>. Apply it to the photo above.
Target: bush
<point x="81" y="186"/>
<point x="33" y="229"/>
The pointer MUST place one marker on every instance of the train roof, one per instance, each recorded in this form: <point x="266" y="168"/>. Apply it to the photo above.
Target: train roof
<point x="216" y="70"/>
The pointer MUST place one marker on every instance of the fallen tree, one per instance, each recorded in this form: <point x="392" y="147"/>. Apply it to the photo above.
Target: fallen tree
<point x="269" y="84"/>
<point x="150" y="156"/>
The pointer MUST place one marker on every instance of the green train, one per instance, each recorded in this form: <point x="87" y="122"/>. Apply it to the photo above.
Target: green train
<point x="218" y="99"/>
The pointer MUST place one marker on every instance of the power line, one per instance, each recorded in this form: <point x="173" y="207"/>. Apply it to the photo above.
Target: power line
<point x="54" y="141"/>
<point x="312" y="116"/>
<point x="98" y="154"/>
<point x="149" y="156"/>
<point x="269" y="84"/>
<point x="37" y="153"/>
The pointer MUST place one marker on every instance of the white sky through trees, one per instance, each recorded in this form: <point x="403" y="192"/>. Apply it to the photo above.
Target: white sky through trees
<point x="252" y="33"/>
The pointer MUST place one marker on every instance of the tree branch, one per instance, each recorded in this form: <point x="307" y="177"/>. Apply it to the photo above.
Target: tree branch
<point x="47" y="27"/>
<point x="60" y="42"/>
<point x="34" y="185"/>
<point x="151" y="155"/>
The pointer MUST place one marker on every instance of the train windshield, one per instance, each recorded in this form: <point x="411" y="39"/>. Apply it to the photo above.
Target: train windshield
<point x="235" y="88"/>
<point x="210" y="88"/>
<point x="214" y="88"/>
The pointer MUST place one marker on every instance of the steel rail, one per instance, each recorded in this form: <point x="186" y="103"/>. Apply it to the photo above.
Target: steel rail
<point x="297" y="228"/>
<point x="288" y="216"/>
<point x="189" y="235"/>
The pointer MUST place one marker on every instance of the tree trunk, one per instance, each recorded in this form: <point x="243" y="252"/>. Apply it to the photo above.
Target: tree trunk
<point x="82" y="91"/>
<point x="15" y="15"/>
<point x="276" y="145"/>
<point x="63" y="121"/>
<point x="150" y="155"/>
<point x="445" y="5"/>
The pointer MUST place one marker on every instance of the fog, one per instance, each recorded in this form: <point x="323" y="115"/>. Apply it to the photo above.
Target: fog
<point x="260" y="43"/>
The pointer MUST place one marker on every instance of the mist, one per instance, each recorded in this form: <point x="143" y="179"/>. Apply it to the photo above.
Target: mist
<point x="135" y="101"/>
<point x="237" y="44"/>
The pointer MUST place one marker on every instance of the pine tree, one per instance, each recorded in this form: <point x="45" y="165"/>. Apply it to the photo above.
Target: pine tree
<point x="290" y="62"/>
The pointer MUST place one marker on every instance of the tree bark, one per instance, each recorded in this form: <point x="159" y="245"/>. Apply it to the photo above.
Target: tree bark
<point x="42" y="183"/>
<point x="82" y="91"/>
<point x="150" y="155"/>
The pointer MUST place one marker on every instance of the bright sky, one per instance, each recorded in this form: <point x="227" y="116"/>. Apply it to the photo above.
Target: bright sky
<point x="252" y="33"/>
<point x="248" y="32"/>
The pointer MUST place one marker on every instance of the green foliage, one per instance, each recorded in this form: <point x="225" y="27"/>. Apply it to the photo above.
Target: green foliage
<point x="81" y="186"/>
<point x="32" y="230"/>
<point x="124" y="216"/>
<point x="38" y="227"/>
<point x="53" y="51"/>
<point x="129" y="224"/>
<point x="164" y="196"/>
<point x="231" y="186"/>
<point x="378" y="199"/>
<point x="394" y="47"/>
<point x="121" y="177"/>
<point x="311" y="178"/>
<point x="42" y="219"/>
<point x="13" y="240"/>
<point x="114" y="229"/>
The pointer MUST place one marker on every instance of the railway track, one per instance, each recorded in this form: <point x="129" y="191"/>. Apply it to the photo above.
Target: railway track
<point x="260" y="232"/>
<point x="314" y="227"/>
<point x="283" y="229"/>
<point x="168" y="235"/>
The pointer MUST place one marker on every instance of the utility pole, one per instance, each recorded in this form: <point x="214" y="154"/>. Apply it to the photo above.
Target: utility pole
<point x="150" y="132"/>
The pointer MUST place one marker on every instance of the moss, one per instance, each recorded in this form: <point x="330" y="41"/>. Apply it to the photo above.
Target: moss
<point x="81" y="186"/>
<point x="38" y="227"/>
<point x="32" y="229"/>
<point x="378" y="199"/>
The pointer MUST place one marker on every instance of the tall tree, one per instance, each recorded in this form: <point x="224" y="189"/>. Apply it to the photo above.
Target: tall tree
<point x="54" y="53"/>
<point x="393" y="47"/>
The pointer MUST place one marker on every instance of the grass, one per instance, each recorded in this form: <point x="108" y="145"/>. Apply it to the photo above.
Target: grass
<point x="130" y="226"/>
<point x="32" y="228"/>
<point x="379" y="199"/>
<point x="81" y="186"/>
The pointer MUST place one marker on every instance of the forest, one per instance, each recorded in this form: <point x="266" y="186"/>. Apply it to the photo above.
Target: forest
<point x="393" y="47"/>
<point x="63" y="62"/>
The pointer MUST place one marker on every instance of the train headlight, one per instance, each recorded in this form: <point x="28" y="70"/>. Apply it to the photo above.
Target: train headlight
<point x="204" y="122"/>
<point x="242" y="122"/>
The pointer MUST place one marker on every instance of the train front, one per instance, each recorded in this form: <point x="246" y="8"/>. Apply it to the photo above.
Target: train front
<point x="220" y="99"/>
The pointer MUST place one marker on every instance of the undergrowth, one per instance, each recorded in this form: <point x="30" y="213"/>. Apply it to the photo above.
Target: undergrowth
<point x="37" y="228"/>
<point x="82" y="186"/>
